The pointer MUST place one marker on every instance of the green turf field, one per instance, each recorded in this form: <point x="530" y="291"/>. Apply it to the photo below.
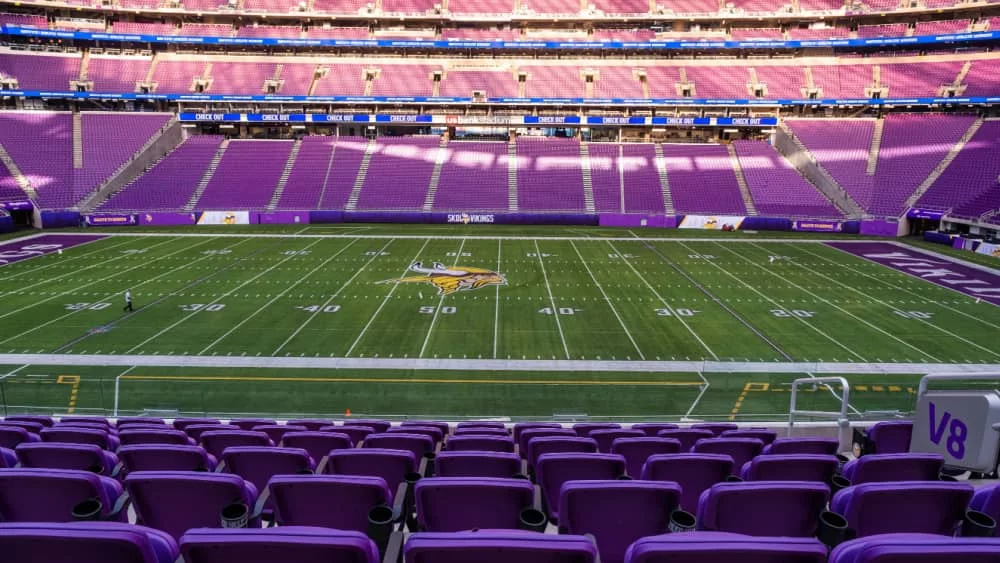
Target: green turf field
<point x="525" y="323"/>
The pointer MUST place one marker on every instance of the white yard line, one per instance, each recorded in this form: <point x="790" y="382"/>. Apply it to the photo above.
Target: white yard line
<point x="776" y="304"/>
<point x="894" y="309"/>
<point x="878" y="329"/>
<point x="496" y="312"/>
<point x="216" y="300"/>
<point x="330" y="300"/>
<point x="277" y="297"/>
<point x="687" y="415"/>
<point x="386" y="300"/>
<point x="116" y="294"/>
<point x="13" y="372"/>
<point x="437" y="310"/>
<point x="105" y="278"/>
<point x="663" y="301"/>
<point x="62" y="262"/>
<point x="552" y="300"/>
<point x="608" y="301"/>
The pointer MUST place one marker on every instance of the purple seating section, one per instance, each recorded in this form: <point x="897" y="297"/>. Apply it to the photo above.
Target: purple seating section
<point x="474" y="176"/>
<point x="969" y="185"/>
<point x="549" y="177"/>
<point x="702" y="179"/>
<point x="777" y="187"/>
<point x="247" y="175"/>
<point x="41" y="72"/>
<point x="399" y="173"/>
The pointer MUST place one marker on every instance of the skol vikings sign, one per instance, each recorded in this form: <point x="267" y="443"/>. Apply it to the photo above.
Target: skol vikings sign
<point x="454" y="279"/>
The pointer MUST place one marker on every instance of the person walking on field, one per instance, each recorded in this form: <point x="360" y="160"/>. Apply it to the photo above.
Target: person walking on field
<point x="128" y="301"/>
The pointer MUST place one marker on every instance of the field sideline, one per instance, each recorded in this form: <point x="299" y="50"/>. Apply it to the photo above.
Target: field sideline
<point x="436" y="321"/>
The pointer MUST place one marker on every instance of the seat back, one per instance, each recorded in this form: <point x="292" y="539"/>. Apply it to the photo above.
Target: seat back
<point x="802" y="445"/>
<point x="391" y="465"/>
<point x="741" y="450"/>
<point x="7" y="458"/>
<point x="606" y="436"/>
<point x="49" y="495"/>
<point x="617" y="513"/>
<point x="331" y="501"/>
<point x="637" y="450"/>
<point x="651" y="429"/>
<point x="454" y="504"/>
<point x="882" y="468"/>
<point x="495" y="546"/>
<point x="477" y="464"/>
<point x="125" y="421"/>
<point x="82" y="457"/>
<point x="85" y="542"/>
<point x="75" y="435"/>
<point x="558" y="445"/>
<point x="470" y="424"/>
<point x="583" y="429"/>
<point x="417" y="444"/>
<point x="930" y="507"/>
<point x="763" y="508"/>
<point x="481" y="431"/>
<point x="820" y="468"/>
<point x="11" y="436"/>
<point x="33" y="427"/>
<point x="278" y="545"/>
<point x="765" y="436"/>
<point x="182" y="423"/>
<point x="723" y="547"/>
<point x="44" y="420"/>
<point x="686" y="436"/>
<point x="157" y="457"/>
<point x="891" y="437"/>
<point x="216" y="441"/>
<point x="177" y="501"/>
<point x="257" y="465"/>
<point x="250" y="423"/>
<point x="480" y="443"/>
<point x="917" y="548"/>
<point x="432" y="432"/>
<point x="716" y="428"/>
<point x="522" y="426"/>
<point x="318" y="444"/>
<point x="196" y="431"/>
<point x="277" y="431"/>
<point x="376" y="425"/>
<point x="130" y="437"/>
<point x="357" y="434"/>
<point x="312" y="424"/>
<point x="529" y="434"/>
<point x="444" y="427"/>
<point x="552" y="470"/>
<point x="694" y="472"/>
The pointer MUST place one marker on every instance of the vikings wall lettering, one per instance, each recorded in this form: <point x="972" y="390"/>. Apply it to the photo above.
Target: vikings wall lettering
<point x="452" y="280"/>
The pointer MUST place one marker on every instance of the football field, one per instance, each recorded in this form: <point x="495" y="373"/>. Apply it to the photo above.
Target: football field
<point x="471" y="323"/>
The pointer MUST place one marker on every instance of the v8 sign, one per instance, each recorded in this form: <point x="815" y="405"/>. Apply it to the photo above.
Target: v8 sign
<point x="959" y="426"/>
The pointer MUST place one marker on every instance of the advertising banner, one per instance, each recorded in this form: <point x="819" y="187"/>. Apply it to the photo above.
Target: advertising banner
<point x="989" y="249"/>
<point x="924" y="214"/>
<point x="168" y="219"/>
<point x="637" y="220"/>
<point x="818" y="226"/>
<point x="281" y="218"/>
<point x="712" y="222"/>
<point x="224" y="218"/>
<point x="111" y="220"/>
<point x="17" y="205"/>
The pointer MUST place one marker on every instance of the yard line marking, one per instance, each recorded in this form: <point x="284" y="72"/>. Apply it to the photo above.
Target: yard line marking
<point x="277" y="297"/>
<point x="608" y="301"/>
<point x="900" y="288"/>
<point x="585" y="383"/>
<point x="776" y="304"/>
<point x="105" y="278"/>
<point x="496" y="312"/>
<point x="74" y="382"/>
<point x="216" y="300"/>
<point x="63" y="262"/>
<point x="924" y="321"/>
<point x="12" y="373"/>
<point x="830" y="303"/>
<point x="664" y="302"/>
<point x="112" y="295"/>
<point x="364" y="330"/>
<point x="332" y="297"/>
<point x="687" y="415"/>
<point x="552" y="300"/>
<point x="437" y="310"/>
<point x="117" y="388"/>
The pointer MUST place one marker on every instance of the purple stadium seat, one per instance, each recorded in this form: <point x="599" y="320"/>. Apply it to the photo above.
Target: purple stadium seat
<point x="987" y="500"/>
<point x="377" y="425"/>
<point x="33" y="427"/>
<point x="801" y="467"/>
<point x="481" y="424"/>
<point x="881" y="468"/>
<point x="249" y="423"/>
<point x="905" y="506"/>
<point x="277" y="431"/>
<point x="11" y="436"/>
<point x="763" y="508"/>
<point x="139" y="420"/>
<point x="454" y="504"/>
<point x="444" y="427"/>
<point x="393" y="466"/>
<point x="686" y="436"/>
<point x="158" y="457"/>
<point x="638" y="450"/>
<point x="741" y="450"/>
<point x="477" y="464"/>
<point x="99" y="420"/>
<point x="522" y="426"/>
<point x="357" y="434"/>
<point x="583" y="429"/>
<point x="530" y="433"/>
<point x="617" y="513"/>
<point x="552" y="470"/>
<point x="419" y="444"/>
<point x="257" y="465"/>
<point x="606" y="436"/>
<point x="182" y="423"/>
<point x="716" y="428"/>
<point x="82" y="457"/>
<point x="330" y="501"/>
<point x="8" y="458"/>
<point x="481" y="431"/>
<point x="651" y="429"/>
<point x="216" y="441"/>
<point x="196" y="431"/>
<point x="130" y="436"/>
<point x="802" y="445"/>
<point x="558" y="445"/>
<point x="72" y="435"/>
<point x="45" y="421"/>
<point x="694" y="472"/>
<point x="310" y="423"/>
<point x="278" y="545"/>
<point x="891" y="437"/>
<point x="177" y="501"/>
<point x="723" y="547"/>
<point x="917" y="548"/>
<point x="49" y="495"/>
<point x="318" y="444"/>
<point x="85" y="542"/>
<point x="504" y="546"/>
<point x="85" y="424"/>
<point x="477" y="443"/>
<point x="432" y="432"/>
<point x="765" y="436"/>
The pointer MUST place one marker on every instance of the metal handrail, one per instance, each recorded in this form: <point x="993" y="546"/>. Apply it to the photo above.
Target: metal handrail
<point x="841" y="417"/>
<point x="943" y="376"/>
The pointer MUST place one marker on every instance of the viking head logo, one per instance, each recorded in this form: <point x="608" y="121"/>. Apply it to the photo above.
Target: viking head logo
<point x="454" y="279"/>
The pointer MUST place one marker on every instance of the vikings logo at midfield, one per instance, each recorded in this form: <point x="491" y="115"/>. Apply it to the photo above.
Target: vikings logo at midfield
<point x="454" y="279"/>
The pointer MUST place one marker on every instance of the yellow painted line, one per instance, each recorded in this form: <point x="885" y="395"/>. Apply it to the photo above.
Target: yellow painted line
<point x="747" y="388"/>
<point x="878" y="388"/>
<point x="73" y="380"/>
<point x="895" y="389"/>
<point x="189" y="379"/>
<point x="861" y="388"/>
